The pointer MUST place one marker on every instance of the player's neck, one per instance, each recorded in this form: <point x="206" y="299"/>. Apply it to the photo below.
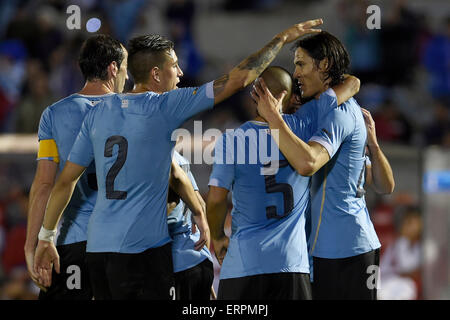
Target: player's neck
<point x="322" y="90"/>
<point x="144" y="87"/>
<point x="97" y="88"/>
<point x="259" y="119"/>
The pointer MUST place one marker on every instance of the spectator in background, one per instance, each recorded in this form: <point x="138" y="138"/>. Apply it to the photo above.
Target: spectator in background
<point x="399" y="43"/>
<point x="122" y="16"/>
<point x="22" y="26"/>
<point x="12" y="74"/>
<point x="446" y="139"/>
<point x="362" y="44"/>
<point x="392" y="125"/>
<point x="15" y="205"/>
<point x="401" y="263"/>
<point x="47" y="36"/>
<point x="437" y="61"/>
<point x="435" y="132"/>
<point x="35" y="100"/>
<point x="65" y="77"/>
<point x="180" y="15"/>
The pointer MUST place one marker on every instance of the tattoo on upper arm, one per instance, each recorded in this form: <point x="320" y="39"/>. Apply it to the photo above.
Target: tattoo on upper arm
<point x="219" y="84"/>
<point x="257" y="62"/>
<point x="261" y="59"/>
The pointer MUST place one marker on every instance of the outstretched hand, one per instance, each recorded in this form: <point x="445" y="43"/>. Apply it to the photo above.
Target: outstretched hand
<point x="300" y="29"/>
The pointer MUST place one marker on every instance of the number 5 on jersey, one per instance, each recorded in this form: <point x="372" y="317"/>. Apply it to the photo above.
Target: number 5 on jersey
<point x="272" y="186"/>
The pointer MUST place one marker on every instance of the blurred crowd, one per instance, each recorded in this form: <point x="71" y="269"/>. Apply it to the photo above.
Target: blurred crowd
<point x="404" y="69"/>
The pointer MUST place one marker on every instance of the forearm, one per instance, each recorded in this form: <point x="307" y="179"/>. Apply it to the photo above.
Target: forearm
<point x="200" y="199"/>
<point x="247" y="71"/>
<point x="59" y="199"/>
<point x="183" y="187"/>
<point x="39" y="194"/>
<point x="216" y="213"/>
<point x="382" y="175"/>
<point x="347" y="89"/>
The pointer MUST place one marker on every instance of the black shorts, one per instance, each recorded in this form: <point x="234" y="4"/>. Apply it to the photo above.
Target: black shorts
<point x="72" y="283"/>
<point x="195" y="283"/>
<point x="353" y="278"/>
<point x="272" y="286"/>
<point x="132" y="276"/>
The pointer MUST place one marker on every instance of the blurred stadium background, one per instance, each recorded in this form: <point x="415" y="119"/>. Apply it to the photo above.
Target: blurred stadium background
<point x="404" y="68"/>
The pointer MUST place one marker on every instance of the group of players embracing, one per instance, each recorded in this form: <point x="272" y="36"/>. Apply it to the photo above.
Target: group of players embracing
<point x="134" y="223"/>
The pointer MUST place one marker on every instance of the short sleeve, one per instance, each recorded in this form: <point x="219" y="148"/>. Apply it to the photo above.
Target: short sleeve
<point x="45" y="131"/>
<point x="47" y="144"/>
<point x="222" y="174"/>
<point x="299" y="126"/>
<point x="192" y="179"/>
<point x="82" y="152"/>
<point x="181" y="104"/>
<point x="331" y="132"/>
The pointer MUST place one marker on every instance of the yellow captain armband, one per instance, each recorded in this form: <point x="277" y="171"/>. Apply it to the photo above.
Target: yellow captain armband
<point x="48" y="150"/>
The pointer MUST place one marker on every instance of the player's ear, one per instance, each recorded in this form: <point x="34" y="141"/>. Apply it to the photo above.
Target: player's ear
<point x="324" y="65"/>
<point x="155" y="74"/>
<point x="113" y="69"/>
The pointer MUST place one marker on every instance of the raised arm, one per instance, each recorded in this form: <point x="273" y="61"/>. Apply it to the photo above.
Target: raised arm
<point x="379" y="173"/>
<point x="43" y="182"/>
<point x="46" y="254"/>
<point x="250" y="68"/>
<point x="347" y="89"/>
<point x="306" y="158"/>
<point x="180" y="184"/>
<point x="216" y="211"/>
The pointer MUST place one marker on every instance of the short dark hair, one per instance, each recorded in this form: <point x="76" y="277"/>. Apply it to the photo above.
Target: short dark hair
<point x="146" y="52"/>
<point x="277" y="80"/>
<point x="324" y="45"/>
<point x="96" y="55"/>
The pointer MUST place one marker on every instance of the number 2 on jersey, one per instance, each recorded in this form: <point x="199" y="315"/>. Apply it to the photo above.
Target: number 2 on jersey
<point x="115" y="168"/>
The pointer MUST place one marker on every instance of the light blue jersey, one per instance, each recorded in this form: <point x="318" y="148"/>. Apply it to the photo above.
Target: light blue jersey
<point x="268" y="216"/>
<point x="129" y="137"/>
<point x="180" y="229"/>
<point x="61" y="122"/>
<point x="340" y="222"/>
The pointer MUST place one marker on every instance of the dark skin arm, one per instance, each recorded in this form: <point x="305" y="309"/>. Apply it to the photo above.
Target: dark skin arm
<point x="216" y="212"/>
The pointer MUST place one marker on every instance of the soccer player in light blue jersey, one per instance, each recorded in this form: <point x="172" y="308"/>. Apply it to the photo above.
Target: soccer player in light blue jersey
<point x="194" y="273"/>
<point x="343" y="241"/>
<point x="267" y="256"/>
<point x="129" y="136"/>
<point x="103" y="62"/>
